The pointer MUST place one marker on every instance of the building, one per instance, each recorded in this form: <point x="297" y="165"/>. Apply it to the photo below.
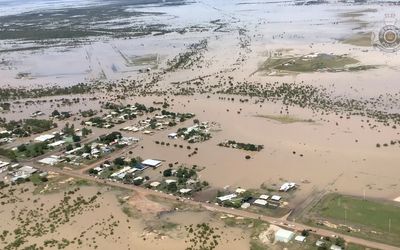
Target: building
<point x="260" y="202"/>
<point x="23" y="173"/>
<point x="52" y="160"/>
<point x="57" y="143"/>
<point x="169" y="181"/>
<point x="245" y="205"/>
<point x="185" y="190"/>
<point x="287" y="186"/>
<point x="283" y="235"/>
<point x="276" y="198"/>
<point x="227" y="197"/>
<point x="44" y="138"/>
<point x="319" y="243"/>
<point x="173" y="136"/>
<point x="264" y="197"/>
<point x="151" y="163"/>
<point x="3" y="166"/>
<point x="335" y="247"/>
<point x="300" y="238"/>
<point x="155" y="184"/>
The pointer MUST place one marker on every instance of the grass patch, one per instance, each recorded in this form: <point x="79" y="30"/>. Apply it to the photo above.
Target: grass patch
<point x="151" y="59"/>
<point x="368" y="219"/>
<point x="130" y="212"/>
<point x="285" y="118"/>
<point x="362" y="39"/>
<point x="310" y="63"/>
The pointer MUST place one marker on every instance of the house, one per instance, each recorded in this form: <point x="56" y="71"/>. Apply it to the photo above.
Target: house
<point x="151" y="163"/>
<point x="283" y="235"/>
<point x="227" y="197"/>
<point x="169" y="181"/>
<point x="50" y="161"/>
<point x="260" y="202"/>
<point x="155" y="184"/>
<point x="300" y="238"/>
<point x="119" y="173"/>
<point x="57" y="143"/>
<point x="173" y="136"/>
<point x="245" y="205"/>
<point x="185" y="190"/>
<point x="73" y="151"/>
<point x="335" y="247"/>
<point x="23" y="173"/>
<point x="264" y="197"/>
<point x="240" y="190"/>
<point x="3" y="166"/>
<point x="319" y="243"/>
<point x="276" y="198"/>
<point x="44" y="138"/>
<point x="287" y="186"/>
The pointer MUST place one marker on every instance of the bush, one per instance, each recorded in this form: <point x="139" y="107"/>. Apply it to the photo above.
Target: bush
<point x="167" y="172"/>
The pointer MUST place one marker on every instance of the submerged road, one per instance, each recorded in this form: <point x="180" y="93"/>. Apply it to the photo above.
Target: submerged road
<point x="282" y="222"/>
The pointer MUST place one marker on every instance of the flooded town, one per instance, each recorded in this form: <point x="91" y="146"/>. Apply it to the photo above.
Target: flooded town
<point x="175" y="124"/>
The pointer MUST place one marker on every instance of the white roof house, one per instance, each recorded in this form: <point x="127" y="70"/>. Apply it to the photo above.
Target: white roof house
<point x="185" y="190"/>
<point x="240" y="190"/>
<point x="151" y="163"/>
<point x="276" y="197"/>
<point x="44" y="138"/>
<point x="300" y="238"/>
<point x="155" y="184"/>
<point x="121" y="171"/>
<point x="169" y="181"/>
<point x="49" y="161"/>
<point x="335" y="247"/>
<point x="227" y="197"/>
<point x="287" y="186"/>
<point x="4" y="164"/>
<point x="260" y="202"/>
<point x="245" y="205"/>
<point x="57" y="143"/>
<point x="264" y="197"/>
<point x="172" y="135"/>
<point x="283" y="235"/>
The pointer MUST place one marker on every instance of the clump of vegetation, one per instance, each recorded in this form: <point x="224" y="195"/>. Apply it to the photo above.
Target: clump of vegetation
<point x="202" y="237"/>
<point x="187" y="59"/>
<point x="240" y="145"/>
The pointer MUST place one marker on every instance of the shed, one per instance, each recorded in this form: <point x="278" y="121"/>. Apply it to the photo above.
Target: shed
<point x="283" y="235"/>
<point x="300" y="238"/>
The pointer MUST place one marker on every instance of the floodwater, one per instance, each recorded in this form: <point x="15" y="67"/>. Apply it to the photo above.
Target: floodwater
<point x="338" y="154"/>
<point x="267" y="26"/>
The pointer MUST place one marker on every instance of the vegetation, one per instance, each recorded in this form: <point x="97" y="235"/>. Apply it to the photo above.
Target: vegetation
<point x="202" y="237"/>
<point x="376" y="220"/>
<point x="240" y="145"/>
